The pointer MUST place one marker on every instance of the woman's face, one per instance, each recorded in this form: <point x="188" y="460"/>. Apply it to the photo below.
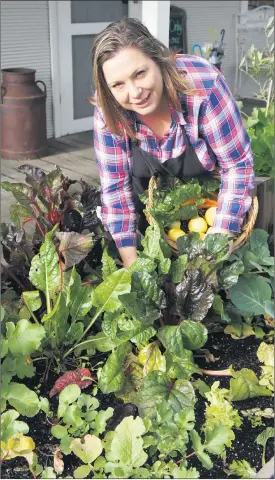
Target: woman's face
<point x="135" y="81"/>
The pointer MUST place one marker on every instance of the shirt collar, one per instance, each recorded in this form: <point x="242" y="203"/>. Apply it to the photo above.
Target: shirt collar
<point x="176" y="115"/>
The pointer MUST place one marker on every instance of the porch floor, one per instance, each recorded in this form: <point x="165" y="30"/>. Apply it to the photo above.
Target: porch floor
<point x="73" y="153"/>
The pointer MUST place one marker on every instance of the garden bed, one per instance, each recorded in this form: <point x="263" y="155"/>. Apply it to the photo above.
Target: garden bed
<point x="227" y="351"/>
<point x="106" y="371"/>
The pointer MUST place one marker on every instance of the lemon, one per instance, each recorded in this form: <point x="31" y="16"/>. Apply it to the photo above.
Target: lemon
<point x="175" y="224"/>
<point x="210" y="215"/>
<point x="202" y="236"/>
<point x="175" y="233"/>
<point x="197" y="224"/>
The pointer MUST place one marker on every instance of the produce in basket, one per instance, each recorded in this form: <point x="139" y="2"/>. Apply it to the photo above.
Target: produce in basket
<point x="183" y="202"/>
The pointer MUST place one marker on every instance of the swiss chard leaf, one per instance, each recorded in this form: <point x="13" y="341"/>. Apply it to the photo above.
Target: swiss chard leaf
<point x="112" y="376"/>
<point x="106" y="295"/>
<point x="194" y="296"/>
<point x="188" y="335"/>
<point x="229" y="274"/>
<point x="74" y="247"/>
<point x="45" y="272"/>
<point x="108" y="265"/>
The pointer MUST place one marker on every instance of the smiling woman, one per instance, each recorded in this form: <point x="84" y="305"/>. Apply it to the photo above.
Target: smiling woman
<point x="158" y="113"/>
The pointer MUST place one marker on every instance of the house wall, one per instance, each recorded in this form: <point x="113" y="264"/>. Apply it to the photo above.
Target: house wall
<point x="201" y="16"/>
<point x="251" y="30"/>
<point x="25" y="42"/>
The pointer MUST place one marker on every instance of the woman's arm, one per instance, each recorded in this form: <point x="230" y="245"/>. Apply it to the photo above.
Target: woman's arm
<point x="128" y="255"/>
<point x="221" y="125"/>
<point x="117" y="211"/>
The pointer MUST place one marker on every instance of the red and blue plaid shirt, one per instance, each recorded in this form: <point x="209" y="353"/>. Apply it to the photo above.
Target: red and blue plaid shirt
<point x="214" y="126"/>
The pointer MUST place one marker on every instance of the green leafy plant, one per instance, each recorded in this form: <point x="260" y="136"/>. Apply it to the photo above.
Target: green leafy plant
<point x="262" y="439"/>
<point x="241" y="468"/>
<point x="259" y="65"/>
<point x="265" y="354"/>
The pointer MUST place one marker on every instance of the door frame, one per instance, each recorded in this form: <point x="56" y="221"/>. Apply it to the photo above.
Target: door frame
<point x="61" y="31"/>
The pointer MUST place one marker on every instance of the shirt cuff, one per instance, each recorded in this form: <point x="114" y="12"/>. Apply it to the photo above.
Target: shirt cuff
<point x="230" y="223"/>
<point x="127" y="240"/>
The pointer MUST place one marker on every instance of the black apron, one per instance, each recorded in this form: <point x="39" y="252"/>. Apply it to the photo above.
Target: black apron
<point x="184" y="167"/>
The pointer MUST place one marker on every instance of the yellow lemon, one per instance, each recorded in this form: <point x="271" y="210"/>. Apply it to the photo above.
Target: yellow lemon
<point x="175" y="233"/>
<point x="175" y="224"/>
<point x="202" y="236"/>
<point x="210" y="215"/>
<point x="197" y="224"/>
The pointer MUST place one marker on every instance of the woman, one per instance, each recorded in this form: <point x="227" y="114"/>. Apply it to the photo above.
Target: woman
<point x="159" y="113"/>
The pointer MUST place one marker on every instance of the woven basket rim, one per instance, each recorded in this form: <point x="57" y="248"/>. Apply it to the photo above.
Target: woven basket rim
<point x="242" y="238"/>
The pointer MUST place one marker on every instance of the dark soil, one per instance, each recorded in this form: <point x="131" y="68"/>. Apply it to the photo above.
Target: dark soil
<point x="238" y="353"/>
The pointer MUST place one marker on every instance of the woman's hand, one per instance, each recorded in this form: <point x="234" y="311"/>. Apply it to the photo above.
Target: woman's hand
<point x="213" y="230"/>
<point x="128" y="255"/>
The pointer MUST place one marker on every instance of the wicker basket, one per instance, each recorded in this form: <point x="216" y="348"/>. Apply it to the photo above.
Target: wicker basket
<point x="238" y="242"/>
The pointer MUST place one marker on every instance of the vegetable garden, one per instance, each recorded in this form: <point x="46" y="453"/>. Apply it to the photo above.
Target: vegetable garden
<point x="164" y="370"/>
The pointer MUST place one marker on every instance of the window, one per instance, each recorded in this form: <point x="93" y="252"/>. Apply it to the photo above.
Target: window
<point x="259" y="3"/>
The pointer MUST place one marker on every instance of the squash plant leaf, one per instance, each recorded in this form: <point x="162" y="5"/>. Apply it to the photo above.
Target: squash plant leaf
<point x="250" y="295"/>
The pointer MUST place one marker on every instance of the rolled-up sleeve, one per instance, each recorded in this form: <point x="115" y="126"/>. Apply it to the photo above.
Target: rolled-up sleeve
<point x="117" y="210"/>
<point x="222" y="128"/>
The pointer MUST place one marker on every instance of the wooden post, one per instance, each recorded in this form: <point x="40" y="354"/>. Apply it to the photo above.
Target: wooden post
<point x="155" y="16"/>
<point x="265" y="194"/>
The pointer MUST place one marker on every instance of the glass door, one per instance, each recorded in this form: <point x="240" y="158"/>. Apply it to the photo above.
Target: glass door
<point x="79" y="21"/>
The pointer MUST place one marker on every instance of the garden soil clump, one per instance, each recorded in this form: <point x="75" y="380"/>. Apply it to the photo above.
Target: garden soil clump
<point x="227" y="351"/>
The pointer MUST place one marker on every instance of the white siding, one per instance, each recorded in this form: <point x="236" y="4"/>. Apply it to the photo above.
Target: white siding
<point x="25" y="42"/>
<point x="203" y="15"/>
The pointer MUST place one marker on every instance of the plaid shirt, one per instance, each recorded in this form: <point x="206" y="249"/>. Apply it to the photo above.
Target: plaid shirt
<point x="214" y="126"/>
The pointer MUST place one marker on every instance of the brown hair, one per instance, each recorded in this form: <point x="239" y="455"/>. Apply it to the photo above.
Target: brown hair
<point x="127" y="33"/>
